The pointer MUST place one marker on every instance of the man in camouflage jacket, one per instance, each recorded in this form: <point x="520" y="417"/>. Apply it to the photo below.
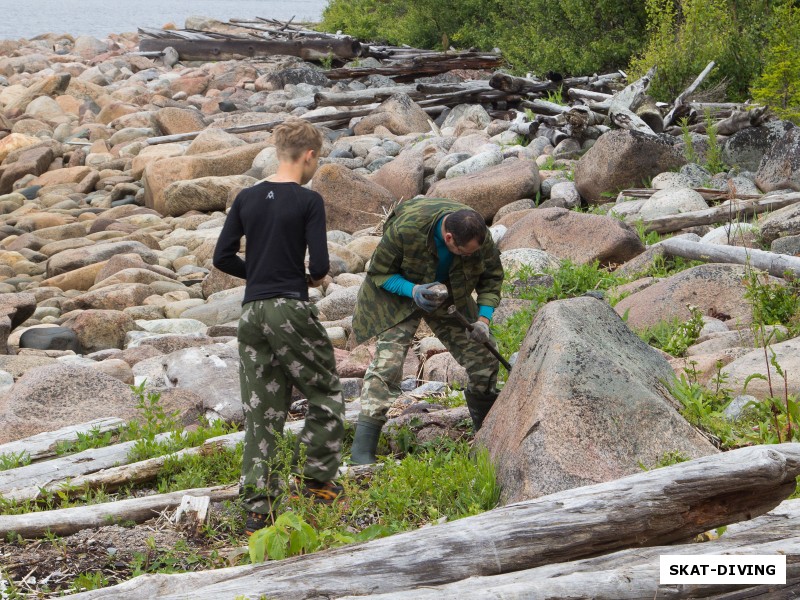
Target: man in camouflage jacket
<point x="425" y="241"/>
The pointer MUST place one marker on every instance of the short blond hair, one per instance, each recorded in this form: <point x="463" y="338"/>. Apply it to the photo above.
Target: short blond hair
<point x="295" y="136"/>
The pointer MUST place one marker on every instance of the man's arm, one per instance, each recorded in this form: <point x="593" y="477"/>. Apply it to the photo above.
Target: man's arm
<point x="387" y="258"/>
<point x="490" y="282"/>
<point x="317" y="240"/>
<point x="230" y="239"/>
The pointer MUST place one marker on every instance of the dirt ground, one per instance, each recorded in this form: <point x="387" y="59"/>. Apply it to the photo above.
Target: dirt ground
<point x="47" y="568"/>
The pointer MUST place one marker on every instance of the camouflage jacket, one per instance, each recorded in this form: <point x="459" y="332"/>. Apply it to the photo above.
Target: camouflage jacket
<point x="408" y="248"/>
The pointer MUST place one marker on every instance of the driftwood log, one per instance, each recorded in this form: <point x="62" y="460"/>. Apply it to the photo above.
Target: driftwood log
<point x="66" y="521"/>
<point x="634" y="574"/>
<point x="43" y="445"/>
<point x="647" y="509"/>
<point x="730" y="212"/>
<point x="771" y="262"/>
<point x="232" y="49"/>
<point x="678" y="105"/>
<point x="624" y="103"/>
<point x="421" y="66"/>
<point x="110" y="467"/>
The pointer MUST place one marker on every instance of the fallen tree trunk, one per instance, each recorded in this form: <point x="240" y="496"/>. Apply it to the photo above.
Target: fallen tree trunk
<point x="735" y="210"/>
<point x="651" y="508"/>
<point x="232" y="49"/>
<point x="742" y="119"/>
<point x="43" y="445"/>
<point x="679" y="101"/>
<point x="623" y="104"/>
<point x="110" y="467"/>
<point x="422" y="67"/>
<point x="634" y="574"/>
<point x="66" y="521"/>
<point x="579" y="94"/>
<point x="774" y="264"/>
<point x="519" y="85"/>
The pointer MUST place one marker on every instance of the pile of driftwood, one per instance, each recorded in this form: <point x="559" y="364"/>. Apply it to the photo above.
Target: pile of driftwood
<point x="568" y="544"/>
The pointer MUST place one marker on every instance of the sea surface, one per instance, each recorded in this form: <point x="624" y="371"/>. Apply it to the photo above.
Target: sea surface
<point x="29" y="18"/>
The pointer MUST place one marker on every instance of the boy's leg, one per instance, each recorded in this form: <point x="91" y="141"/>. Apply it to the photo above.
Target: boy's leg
<point x="481" y="365"/>
<point x="266" y="393"/>
<point x="305" y="353"/>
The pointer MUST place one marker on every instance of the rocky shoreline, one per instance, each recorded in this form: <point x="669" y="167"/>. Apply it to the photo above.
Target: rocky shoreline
<point x="106" y="239"/>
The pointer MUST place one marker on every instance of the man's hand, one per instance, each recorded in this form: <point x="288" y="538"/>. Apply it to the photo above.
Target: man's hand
<point x="480" y="332"/>
<point x="426" y="298"/>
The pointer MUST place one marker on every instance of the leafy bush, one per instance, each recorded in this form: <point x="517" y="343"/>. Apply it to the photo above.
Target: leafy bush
<point x="779" y="83"/>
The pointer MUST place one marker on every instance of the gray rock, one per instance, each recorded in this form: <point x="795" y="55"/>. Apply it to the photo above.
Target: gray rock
<point x="216" y="312"/>
<point x="670" y="179"/>
<point x="782" y="222"/>
<point x="671" y="201"/>
<point x="474" y="114"/>
<point x="476" y="163"/>
<point x="746" y="148"/>
<point x="787" y="245"/>
<point x="699" y="176"/>
<point x="734" y="410"/>
<point x="50" y="338"/>
<point x="600" y="412"/>
<point x="448" y="162"/>
<point x="536" y="260"/>
<point x="179" y="326"/>
<point x="780" y="166"/>
<point x="6" y="382"/>
<point x="339" y="304"/>
<point x="622" y="159"/>
<point x="565" y="195"/>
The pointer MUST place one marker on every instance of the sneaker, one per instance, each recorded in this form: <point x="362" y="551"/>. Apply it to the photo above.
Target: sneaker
<point x="256" y="521"/>
<point x="321" y="492"/>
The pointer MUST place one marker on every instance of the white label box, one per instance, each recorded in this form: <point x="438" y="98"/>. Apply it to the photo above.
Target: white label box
<point x="755" y="569"/>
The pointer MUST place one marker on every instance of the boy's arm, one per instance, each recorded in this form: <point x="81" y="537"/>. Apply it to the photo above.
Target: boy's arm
<point x="317" y="240"/>
<point x="225" y="257"/>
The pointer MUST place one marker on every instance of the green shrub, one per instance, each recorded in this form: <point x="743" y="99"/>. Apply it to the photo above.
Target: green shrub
<point x="779" y="83"/>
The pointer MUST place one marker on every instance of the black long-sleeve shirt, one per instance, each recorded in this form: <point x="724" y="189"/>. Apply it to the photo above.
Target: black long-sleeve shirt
<point x="279" y="221"/>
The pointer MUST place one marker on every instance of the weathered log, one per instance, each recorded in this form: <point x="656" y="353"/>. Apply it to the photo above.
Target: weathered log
<point x="679" y="101"/>
<point x="544" y="107"/>
<point x="624" y="103"/>
<point x="579" y="94"/>
<point x="651" y="508"/>
<point x="425" y="66"/>
<point x="27" y="480"/>
<point x="732" y="211"/>
<point x="634" y="574"/>
<point x="649" y="112"/>
<point x="709" y="194"/>
<point x="232" y="49"/>
<point x="110" y="467"/>
<point x="772" y="263"/>
<point x="66" y="521"/>
<point x="519" y="85"/>
<point x="742" y="119"/>
<point x="43" y="445"/>
<point x="360" y="97"/>
<point x="632" y="579"/>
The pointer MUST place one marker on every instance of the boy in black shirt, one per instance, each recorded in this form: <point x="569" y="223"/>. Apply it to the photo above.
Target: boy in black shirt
<point x="281" y="341"/>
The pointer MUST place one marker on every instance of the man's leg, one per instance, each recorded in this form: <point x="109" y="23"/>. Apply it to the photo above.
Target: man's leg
<point x="481" y="365"/>
<point x="265" y="399"/>
<point x="381" y="386"/>
<point x="305" y="353"/>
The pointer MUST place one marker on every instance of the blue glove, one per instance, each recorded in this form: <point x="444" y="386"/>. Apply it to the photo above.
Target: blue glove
<point x="425" y="298"/>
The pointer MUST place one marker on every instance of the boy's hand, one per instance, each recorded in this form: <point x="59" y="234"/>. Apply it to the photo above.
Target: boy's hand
<point x="313" y="282"/>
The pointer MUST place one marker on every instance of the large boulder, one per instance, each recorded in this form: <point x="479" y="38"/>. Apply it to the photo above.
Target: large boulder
<point x="206" y="194"/>
<point x="671" y="201"/>
<point x="585" y="403"/>
<point x="211" y="372"/>
<point x="99" y="329"/>
<point x="745" y="148"/>
<point x="15" y="309"/>
<point x="403" y="176"/>
<point x="53" y="396"/>
<point x="172" y="120"/>
<point x="787" y="355"/>
<point x="491" y="189"/>
<point x="399" y="114"/>
<point x="339" y="304"/>
<point x="113" y="297"/>
<point x="780" y="223"/>
<point x="158" y="175"/>
<point x="622" y="159"/>
<point x="716" y="289"/>
<point x="53" y="85"/>
<point x="75" y="258"/>
<point x="352" y="201"/>
<point x="16" y="141"/>
<point x="780" y="166"/>
<point x="582" y="238"/>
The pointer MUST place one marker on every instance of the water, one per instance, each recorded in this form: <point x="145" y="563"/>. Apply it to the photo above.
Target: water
<point x="28" y="18"/>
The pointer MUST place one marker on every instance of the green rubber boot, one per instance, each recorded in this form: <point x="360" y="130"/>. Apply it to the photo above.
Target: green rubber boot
<point x="366" y="440"/>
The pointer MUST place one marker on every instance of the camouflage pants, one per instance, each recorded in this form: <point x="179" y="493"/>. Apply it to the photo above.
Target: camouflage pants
<point x="384" y="375"/>
<point x="282" y="344"/>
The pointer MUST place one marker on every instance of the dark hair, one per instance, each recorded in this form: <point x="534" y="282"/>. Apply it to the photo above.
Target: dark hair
<point x="465" y="225"/>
